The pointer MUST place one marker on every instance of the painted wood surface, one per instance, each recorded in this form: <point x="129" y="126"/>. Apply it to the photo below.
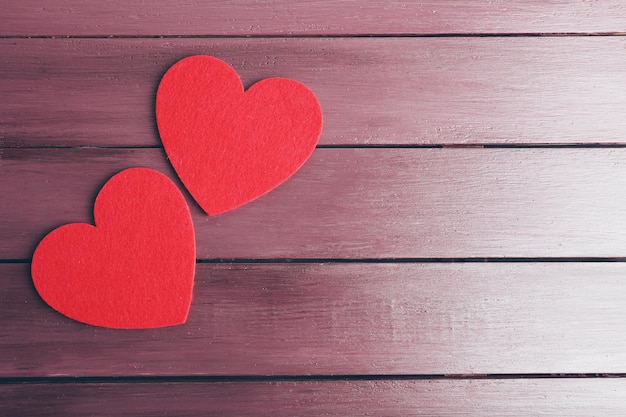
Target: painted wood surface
<point x="372" y="283"/>
<point x="311" y="17"/>
<point x="389" y="91"/>
<point x="501" y="398"/>
<point x="358" y="203"/>
<point x="343" y="319"/>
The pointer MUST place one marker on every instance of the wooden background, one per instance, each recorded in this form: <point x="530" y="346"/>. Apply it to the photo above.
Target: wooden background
<point x="455" y="245"/>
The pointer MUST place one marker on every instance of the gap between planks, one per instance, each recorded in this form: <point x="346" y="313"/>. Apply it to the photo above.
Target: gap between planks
<point x="512" y="260"/>
<point x="329" y="36"/>
<point x="68" y="380"/>
<point x="580" y="145"/>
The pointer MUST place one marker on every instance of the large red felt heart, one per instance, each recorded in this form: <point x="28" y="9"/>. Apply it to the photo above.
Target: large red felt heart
<point x="229" y="147"/>
<point x="134" y="268"/>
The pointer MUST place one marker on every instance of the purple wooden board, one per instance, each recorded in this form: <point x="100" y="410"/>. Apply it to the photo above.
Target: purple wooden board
<point x="545" y="397"/>
<point x="95" y="92"/>
<point x="302" y="319"/>
<point x="358" y="203"/>
<point x="280" y="319"/>
<point x="236" y="17"/>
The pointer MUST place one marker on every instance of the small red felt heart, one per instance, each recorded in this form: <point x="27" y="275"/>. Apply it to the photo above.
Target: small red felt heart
<point x="229" y="147"/>
<point x="134" y="269"/>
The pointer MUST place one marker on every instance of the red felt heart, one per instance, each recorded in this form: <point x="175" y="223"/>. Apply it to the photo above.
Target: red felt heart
<point x="134" y="268"/>
<point x="229" y="147"/>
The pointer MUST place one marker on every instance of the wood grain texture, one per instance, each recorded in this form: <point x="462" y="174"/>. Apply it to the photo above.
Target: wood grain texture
<point x="428" y="76"/>
<point x="546" y="397"/>
<point x="358" y="203"/>
<point x="342" y="319"/>
<point x="95" y="92"/>
<point x="282" y="17"/>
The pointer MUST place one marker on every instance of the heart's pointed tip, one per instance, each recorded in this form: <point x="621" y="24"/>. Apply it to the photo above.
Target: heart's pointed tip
<point x="137" y="327"/>
<point x="161" y="325"/>
<point x="132" y="324"/>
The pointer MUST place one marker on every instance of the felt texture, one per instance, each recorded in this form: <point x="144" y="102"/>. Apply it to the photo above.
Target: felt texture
<point x="229" y="146"/>
<point x="134" y="268"/>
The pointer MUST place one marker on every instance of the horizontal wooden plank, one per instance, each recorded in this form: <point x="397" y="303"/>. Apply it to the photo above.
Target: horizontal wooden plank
<point x="546" y="397"/>
<point x="236" y="17"/>
<point x="342" y="319"/>
<point x="95" y="92"/>
<point x="358" y="203"/>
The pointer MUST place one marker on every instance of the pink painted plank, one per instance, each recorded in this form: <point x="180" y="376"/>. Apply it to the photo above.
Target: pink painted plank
<point x="358" y="203"/>
<point x="59" y="92"/>
<point x="342" y="319"/>
<point x="545" y="397"/>
<point x="236" y="17"/>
